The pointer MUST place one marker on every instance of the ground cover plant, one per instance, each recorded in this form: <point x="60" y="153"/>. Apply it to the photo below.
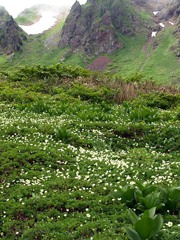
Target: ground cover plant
<point x="82" y="159"/>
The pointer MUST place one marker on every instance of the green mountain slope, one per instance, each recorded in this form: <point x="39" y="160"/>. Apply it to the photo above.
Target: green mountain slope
<point x="125" y="43"/>
<point x="153" y="58"/>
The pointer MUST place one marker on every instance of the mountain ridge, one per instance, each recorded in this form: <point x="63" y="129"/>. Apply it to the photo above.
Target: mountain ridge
<point x="151" y="50"/>
<point x="12" y="36"/>
<point x="86" y="26"/>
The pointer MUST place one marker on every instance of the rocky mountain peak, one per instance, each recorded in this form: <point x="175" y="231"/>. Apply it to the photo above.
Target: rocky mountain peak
<point x="11" y="35"/>
<point x="95" y="27"/>
<point x="76" y="6"/>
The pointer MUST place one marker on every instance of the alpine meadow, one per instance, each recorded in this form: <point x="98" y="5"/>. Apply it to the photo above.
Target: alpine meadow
<point x="90" y="121"/>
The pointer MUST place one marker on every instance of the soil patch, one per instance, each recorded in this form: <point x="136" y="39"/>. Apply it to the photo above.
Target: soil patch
<point x="99" y="64"/>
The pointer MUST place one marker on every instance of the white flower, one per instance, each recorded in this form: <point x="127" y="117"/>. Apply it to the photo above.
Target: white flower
<point x="169" y="224"/>
<point x="88" y="215"/>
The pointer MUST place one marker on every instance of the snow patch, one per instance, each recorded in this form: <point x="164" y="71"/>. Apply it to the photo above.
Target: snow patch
<point x="46" y="21"/>
<point x="155" y="13"/>
<point x="162" y="25"/>
<point x="153" y="34"/>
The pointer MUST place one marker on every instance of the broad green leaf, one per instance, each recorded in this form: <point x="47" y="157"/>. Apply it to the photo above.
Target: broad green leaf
<point x="157" y="225"/>
<point x="140" y="186"/>
<point x="144" y="227"/>
<point x="152" y="212"/>
<point x="174" y="194"/>
<point x="152" y="200"/>
<point x="149" y="213"/>
<point x="138" y="196"/>
<point x="140" y="207"/>
<point x="149" y="189"/>
<point x="148" y="227"/>
<point x="127" y="194"/>
<point x="132" y="234"/>
<point x="133" y="216"/>
<point x="160" y="206"/>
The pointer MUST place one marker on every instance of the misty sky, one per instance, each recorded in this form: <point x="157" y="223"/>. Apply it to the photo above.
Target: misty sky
<point x="14" y="7"/>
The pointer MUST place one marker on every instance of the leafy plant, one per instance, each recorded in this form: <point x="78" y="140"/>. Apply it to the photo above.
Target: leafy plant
<point x="148" y="197"/>
<point x="171" y="198"/>
<point x="62" y="133"/>
<point x="146" y="226"/>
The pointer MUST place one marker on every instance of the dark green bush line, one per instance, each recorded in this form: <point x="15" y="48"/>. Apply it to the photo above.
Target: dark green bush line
<point x="40" y="72"/>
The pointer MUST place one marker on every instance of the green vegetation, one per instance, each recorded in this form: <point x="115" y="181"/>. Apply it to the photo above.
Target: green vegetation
<point x="40" y="49"/>
<point x="146" y="227"/>
<point x="157" y="62"/>
<point x="28" y="16"/>
<point x="87" y="157"/>
<point x="132" y="59"/>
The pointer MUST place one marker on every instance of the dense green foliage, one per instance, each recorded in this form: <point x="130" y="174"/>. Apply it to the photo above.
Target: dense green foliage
<point x="74" y="160"/>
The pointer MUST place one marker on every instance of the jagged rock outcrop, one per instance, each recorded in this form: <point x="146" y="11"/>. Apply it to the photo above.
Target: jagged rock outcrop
<point x="96" y="26"/>
<point x="11" y="35"/>
<point x="171" y="9"/>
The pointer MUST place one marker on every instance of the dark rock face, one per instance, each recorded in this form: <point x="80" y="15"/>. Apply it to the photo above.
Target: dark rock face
<point x="95" y="27"/>
<point x="11" y="35"/>
<point x="171" y="9"/>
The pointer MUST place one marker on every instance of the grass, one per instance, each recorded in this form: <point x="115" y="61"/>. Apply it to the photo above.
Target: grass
<point x="128" y="60"/>
<point x="163" y="60"/>
<point x="36" y="49"/>
<point x="159" y="63"/>
<point x="71" y="155"/>
<point x="3" y="61"/>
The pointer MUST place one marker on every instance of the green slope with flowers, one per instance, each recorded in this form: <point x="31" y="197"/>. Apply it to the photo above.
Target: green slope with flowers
<point x="82" y="154"/>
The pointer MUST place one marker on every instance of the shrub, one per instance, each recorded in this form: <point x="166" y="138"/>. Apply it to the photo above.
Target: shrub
<point x="162" y="100"/>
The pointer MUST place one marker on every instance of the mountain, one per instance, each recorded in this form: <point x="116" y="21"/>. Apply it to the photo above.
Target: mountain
<point x="12" y="36"/>
<point x="96" y="26"/>
<point x="125" y="38"/>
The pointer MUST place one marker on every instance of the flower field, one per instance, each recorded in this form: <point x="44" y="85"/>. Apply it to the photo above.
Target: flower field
<point x="77" y="164"/>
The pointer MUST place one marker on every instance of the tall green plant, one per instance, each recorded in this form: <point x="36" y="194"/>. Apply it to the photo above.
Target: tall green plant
<point x="145" y="227"/>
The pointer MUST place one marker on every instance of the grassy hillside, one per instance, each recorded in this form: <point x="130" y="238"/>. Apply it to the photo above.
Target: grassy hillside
<point x="78" y="150"/>
<point x="152" y="57"/>
<point x="40" y="48"/>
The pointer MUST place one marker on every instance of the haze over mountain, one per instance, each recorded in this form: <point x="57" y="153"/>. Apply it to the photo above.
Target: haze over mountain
<point x="41" y="17"/>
